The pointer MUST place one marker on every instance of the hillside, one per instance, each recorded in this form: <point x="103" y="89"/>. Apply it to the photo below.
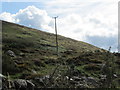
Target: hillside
<point x="29" y="54"/>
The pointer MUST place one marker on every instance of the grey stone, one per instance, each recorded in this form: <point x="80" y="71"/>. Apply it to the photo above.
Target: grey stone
<point x="75" y="78"/>
<point x="33" y="71"/>
<point x="30" y="84"/>
<point x="92" y="80"/>
<point x="11" y="53"/>
<point x="20" y="83"/>
<point x="22" y="54"/>
<point x="103" y="77"/>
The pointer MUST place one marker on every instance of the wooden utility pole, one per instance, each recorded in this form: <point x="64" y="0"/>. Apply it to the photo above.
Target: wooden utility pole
<point x="56" y="35"/>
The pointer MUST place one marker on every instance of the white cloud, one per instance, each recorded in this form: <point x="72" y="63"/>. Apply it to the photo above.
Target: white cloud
<point x="30" y="16"/>
<point x="34" y="17"/>
<point x="76" y="6"/>
<point x="77" y="21"/>
<point x="7" y="17"/>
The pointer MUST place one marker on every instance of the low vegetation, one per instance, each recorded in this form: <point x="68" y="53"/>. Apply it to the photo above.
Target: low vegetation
<point x="31" y="55"/>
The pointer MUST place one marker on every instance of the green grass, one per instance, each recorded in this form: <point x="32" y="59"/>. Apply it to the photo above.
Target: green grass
<point x="38" y="50"/>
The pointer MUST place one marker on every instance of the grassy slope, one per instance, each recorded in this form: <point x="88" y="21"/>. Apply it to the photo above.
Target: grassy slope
<point x="36" y="53"/>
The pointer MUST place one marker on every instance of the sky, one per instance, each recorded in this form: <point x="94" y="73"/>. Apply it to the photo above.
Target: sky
<point x="91" y="21"/>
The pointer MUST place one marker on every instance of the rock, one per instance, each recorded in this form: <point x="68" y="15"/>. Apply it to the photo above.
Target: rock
<point x="33" y="71"/>
<point x="40" y="81"/>
<point x="11" y="84"/>
<point x="7" y="84"/>
<point x="92" y="80"/>
<point x="115" y="75"/>
<point x="67" y="77"/>
<point x="46" y="77"/>
<point x="11" y="53"/>
<point x="103" y="77"/>
<point x="30" y="85"/>
<point x="84" y="78"/>
<point x="43" y="80"/>
<point x="22" y="54"/>
<point x="16" y="84"/>
<point x="20" y="83"/>
<point x="89" y="79"/>
<point x="83" y="85"/>
<point x="75" y="78"/>
<point x="4" y="84"/>
<point x="24" y="84"/>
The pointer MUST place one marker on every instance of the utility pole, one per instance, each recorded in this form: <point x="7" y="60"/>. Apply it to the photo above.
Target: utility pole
<point x="51" y="76"/>
<point x="56" y="35"/>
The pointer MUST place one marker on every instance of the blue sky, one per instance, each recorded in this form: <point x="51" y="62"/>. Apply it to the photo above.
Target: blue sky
<point x="14" y="7"/>
<point x="93" y="21"/>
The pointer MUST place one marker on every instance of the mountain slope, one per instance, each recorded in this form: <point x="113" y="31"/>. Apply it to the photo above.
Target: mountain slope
<point x="17" y="32"/>
<point x="30" y="53"/>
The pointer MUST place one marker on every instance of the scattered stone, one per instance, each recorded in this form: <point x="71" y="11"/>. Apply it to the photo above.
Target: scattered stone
<point x="92" y="81"/>
<point x="20" y="83"/>
<point x="11" y="53"/>
<point x="102" y="77"/>
<point x="67" y="77"/>
<point x="43" y="80"/>
<point x="115" y="75"/>
<point x="84" y="78"/>
<point x="30" y="85"/>
<point x="76" y="78"/>
<point x="22" y="54"/>
<point x="33" y="71"/>
<point x="84" y="82"/>
<point x="23" y="84"/>
<point x="82" y="85"/>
